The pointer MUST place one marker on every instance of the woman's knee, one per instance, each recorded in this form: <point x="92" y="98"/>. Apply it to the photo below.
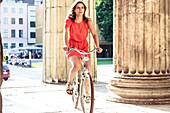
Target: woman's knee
<point x="75" y="63"/>
<point x="76" y="66"/>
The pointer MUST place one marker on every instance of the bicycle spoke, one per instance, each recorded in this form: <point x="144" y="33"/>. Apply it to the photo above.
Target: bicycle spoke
<point x="87" y="95"/>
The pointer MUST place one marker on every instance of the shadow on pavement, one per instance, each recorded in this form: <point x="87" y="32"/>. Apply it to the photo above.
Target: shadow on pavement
<point x="100" y="87"/>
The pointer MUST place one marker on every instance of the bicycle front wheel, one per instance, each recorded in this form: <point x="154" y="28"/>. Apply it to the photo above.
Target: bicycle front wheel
<point x="87" y="94"/>
<point x="75" y="95"/>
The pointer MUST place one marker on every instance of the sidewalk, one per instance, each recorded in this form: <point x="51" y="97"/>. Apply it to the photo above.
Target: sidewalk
<point x="33" y="96"/>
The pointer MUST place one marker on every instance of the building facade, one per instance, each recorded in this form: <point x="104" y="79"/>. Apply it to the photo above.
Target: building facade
<point x="14" y="25"/>
<point x="29" y="2"/>
<point x="18" y="23"/>
<point x="38" y="2"/>
<point x="31" y="25"/>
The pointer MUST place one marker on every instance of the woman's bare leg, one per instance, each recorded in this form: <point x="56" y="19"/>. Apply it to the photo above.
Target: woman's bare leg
<point x="88" y="66"/>
<point x="73" y="71"/>
<point x="76" y="64"/>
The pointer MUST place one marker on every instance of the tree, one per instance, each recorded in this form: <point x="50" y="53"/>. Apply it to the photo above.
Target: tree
<point x="104" y="13"/>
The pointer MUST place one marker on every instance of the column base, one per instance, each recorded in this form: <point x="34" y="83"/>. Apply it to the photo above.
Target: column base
<point x="118" y="99"/>
<point x="139" y="90"/>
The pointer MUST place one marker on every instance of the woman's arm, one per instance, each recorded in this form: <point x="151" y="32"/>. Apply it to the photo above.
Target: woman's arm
<point x="94" y="34"/>
<point x="65" y="38"/>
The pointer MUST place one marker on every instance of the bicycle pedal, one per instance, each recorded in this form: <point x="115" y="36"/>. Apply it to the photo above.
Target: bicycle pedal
<point x="88" y="99"/>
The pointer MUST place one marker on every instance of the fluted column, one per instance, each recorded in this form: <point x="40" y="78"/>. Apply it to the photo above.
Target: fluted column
<point x="56" y="65"/>
<point x="141" y="52"/>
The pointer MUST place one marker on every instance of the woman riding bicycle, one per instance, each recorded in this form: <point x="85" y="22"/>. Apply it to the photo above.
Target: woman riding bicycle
<point x="76" y="33"/>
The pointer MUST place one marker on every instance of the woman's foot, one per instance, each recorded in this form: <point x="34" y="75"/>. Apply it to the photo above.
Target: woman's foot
<point x="69" y="88"/>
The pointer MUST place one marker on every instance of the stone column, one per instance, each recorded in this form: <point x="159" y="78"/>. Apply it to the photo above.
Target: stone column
<point x="141" y="52"/>
<point x="56" y="65"/>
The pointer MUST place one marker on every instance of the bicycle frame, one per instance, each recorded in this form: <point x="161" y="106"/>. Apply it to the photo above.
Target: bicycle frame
<point x="85" y="75"/>
<point x="85" y="59"/>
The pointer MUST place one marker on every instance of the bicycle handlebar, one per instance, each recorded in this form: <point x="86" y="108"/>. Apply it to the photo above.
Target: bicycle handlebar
<point x="72" y="48"/>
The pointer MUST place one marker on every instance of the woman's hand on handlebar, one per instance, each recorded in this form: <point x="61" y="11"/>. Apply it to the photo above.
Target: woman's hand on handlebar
<point x="65" y="48"/>
<point x="99" y="50"/>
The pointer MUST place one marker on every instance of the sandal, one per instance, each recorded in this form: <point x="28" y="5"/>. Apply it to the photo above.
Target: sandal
<point x="69" y="89"/>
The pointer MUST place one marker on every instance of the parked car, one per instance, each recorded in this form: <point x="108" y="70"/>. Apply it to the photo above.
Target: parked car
<point x="6" y="72"/>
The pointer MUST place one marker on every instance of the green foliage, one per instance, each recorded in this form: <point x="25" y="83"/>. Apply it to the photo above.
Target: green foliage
<point x="104" y="61"/>
<point x="98" y="2"/>
<point x="104" y="12"/>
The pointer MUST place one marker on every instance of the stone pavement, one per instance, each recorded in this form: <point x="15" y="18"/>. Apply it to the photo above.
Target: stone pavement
<point x="22" y="95"/>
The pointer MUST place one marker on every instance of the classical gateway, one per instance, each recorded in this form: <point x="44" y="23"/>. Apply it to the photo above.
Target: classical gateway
<point x="141" y="48"/>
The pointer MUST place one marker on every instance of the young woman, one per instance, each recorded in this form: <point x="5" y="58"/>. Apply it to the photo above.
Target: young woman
<point x="76" y="33"/>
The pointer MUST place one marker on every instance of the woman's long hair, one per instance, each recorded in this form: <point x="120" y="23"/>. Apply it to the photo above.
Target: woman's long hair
<point x="72" y="14"/>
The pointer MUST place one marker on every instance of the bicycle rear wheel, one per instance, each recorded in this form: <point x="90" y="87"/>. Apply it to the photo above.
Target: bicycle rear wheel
<point x="87" y="94"/>
<point x="75" y="95"/>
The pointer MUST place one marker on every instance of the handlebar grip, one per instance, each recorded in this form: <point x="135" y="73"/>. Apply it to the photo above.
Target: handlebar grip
<point x="96" y="48"/>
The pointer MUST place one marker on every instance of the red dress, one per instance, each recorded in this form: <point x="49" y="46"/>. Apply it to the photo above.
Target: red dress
<point x="78" y="33"/>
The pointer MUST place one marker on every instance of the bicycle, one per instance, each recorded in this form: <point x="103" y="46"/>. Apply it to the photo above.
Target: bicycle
<point x="83" y="86"/>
